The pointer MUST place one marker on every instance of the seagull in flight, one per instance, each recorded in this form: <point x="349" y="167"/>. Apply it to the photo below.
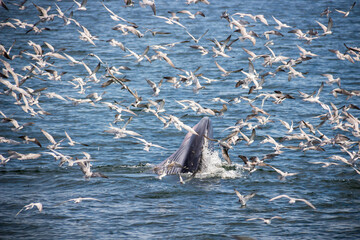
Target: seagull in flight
<point x="266" y="220"/>
<point x="85" y="168"/>
<point x="225" y="72"/>
<point x="55" y="145"/>
<point x="196" y="40"/>
<point x="327" y="30"/>
<point x="30" y="206"/>
<point x="283" y="175"/>
<point x="81" y="6"/>
<point x="280" y="24"/>
<point x="243" y="199"/>
<point x="347" y="12"/>
<point x="293" y="200"/>
<point x="148" y="144"/>
<point x="79" y="199"/>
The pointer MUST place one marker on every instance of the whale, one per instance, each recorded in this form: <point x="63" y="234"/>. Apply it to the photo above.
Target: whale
<point x="189" y="156"/>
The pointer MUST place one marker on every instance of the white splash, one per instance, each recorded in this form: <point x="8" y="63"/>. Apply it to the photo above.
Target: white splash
<point x="214" y="166"/>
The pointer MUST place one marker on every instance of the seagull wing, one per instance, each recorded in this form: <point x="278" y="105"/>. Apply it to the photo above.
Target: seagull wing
<point x="48" y="136"/>
<point x="241" y="198"/>
<point x="307" y="203"/>
<point x="322" y="26"/>
<point x="220" y="68"/>
<point x="280" y="196"/>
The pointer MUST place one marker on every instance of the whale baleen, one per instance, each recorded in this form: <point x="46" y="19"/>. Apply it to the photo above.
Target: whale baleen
<point x="189" y="156"/>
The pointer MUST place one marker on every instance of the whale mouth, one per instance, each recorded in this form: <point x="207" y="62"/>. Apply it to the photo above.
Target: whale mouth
<point x="189" y="156"/>
<point x="206" y="147"/>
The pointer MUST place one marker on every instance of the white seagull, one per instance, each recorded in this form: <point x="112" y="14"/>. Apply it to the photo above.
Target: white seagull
<point x="293" y="200"/>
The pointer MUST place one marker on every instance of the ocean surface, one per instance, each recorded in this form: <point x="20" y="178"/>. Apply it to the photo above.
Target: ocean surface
<point x="133" y="203"/>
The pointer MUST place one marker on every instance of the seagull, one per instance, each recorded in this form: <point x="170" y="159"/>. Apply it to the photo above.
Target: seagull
<point x="281" y="25"/>
<point x="59" y="156"/>
<point x="85" y="168"/>
<point x="148" y="144"/>
<point x="251" y="139"/>
<point x="43" y="13"/>
<point x="171" y="21"/>
<point x="251" y="165"/>
<point x="202" y="50"/>
<point x="349" y="162"/>
<point x="173" y="16"/>
<point x="55" y="95"/>
<point x="257" y="110"/>
<point x="180" y="125"/>
<point x="225" y="154"/>
<point x="325" y="164"/>
<point x="8" y="141"/>
<point x="28" y="139"/>
<point x="293" y="200"/>
<point x="72" y="60"/>
<point x="164" y="56"/>
<point x="129" y="3"/>
<point x="81" y="6"/>
<point x="269" y="60"/>
<point x="122" y="132"/>
<point x="327" y="30"/>
<point x="226" y="73"/>
<point x="30" y="206"/>
<point x="139" y="58"/>
<point x="255" y="18"/>
<point x="326" y="12"/>
<point x="253" y="55"/>
<point x="181" y="180"/>
<point x="163" y="174"/>
<point x="289" y="127"/>
<point x="55" y="145"/>
<point x="15" y="123"/>
<point x="72" y="142"/>
<point x="348" y="12"/>
<point x="86" y="36"/>
<point x="305" y="53"/>
<point x="192" y="16"/>
<point x="20" y="156"/>
<point x="313" y="97"/>
<point x="115" y="43"/>
<point x="115" y="17"/>
<point x="4" y="160"/>
<point x="251" y="76"/>
<point x="155" y="87"/>
<point x="145" y="3"/>
<point x="270" y="139"/>
<point x="225" y="146"/>
<point x="342" y="56"/>
<point x="244" y="34"/>
<point x="273" y="32"/>
<point x="331" y="79"/>
<point x="79" y="199"/>
<point x="267" y="221"/>
<point x="6" y="54"/>
<point x="196" y="1"/>
<point x="244" y="199"/>
<point x="283" y="175"/>
<point x="198" y="39"/>
<point x="221" y="51"/>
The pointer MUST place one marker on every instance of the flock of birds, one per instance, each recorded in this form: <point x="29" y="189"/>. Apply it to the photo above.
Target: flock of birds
<point x="43" y="58"/>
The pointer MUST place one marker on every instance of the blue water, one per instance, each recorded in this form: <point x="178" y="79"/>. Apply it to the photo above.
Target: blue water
<point x="134" y="203"/>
